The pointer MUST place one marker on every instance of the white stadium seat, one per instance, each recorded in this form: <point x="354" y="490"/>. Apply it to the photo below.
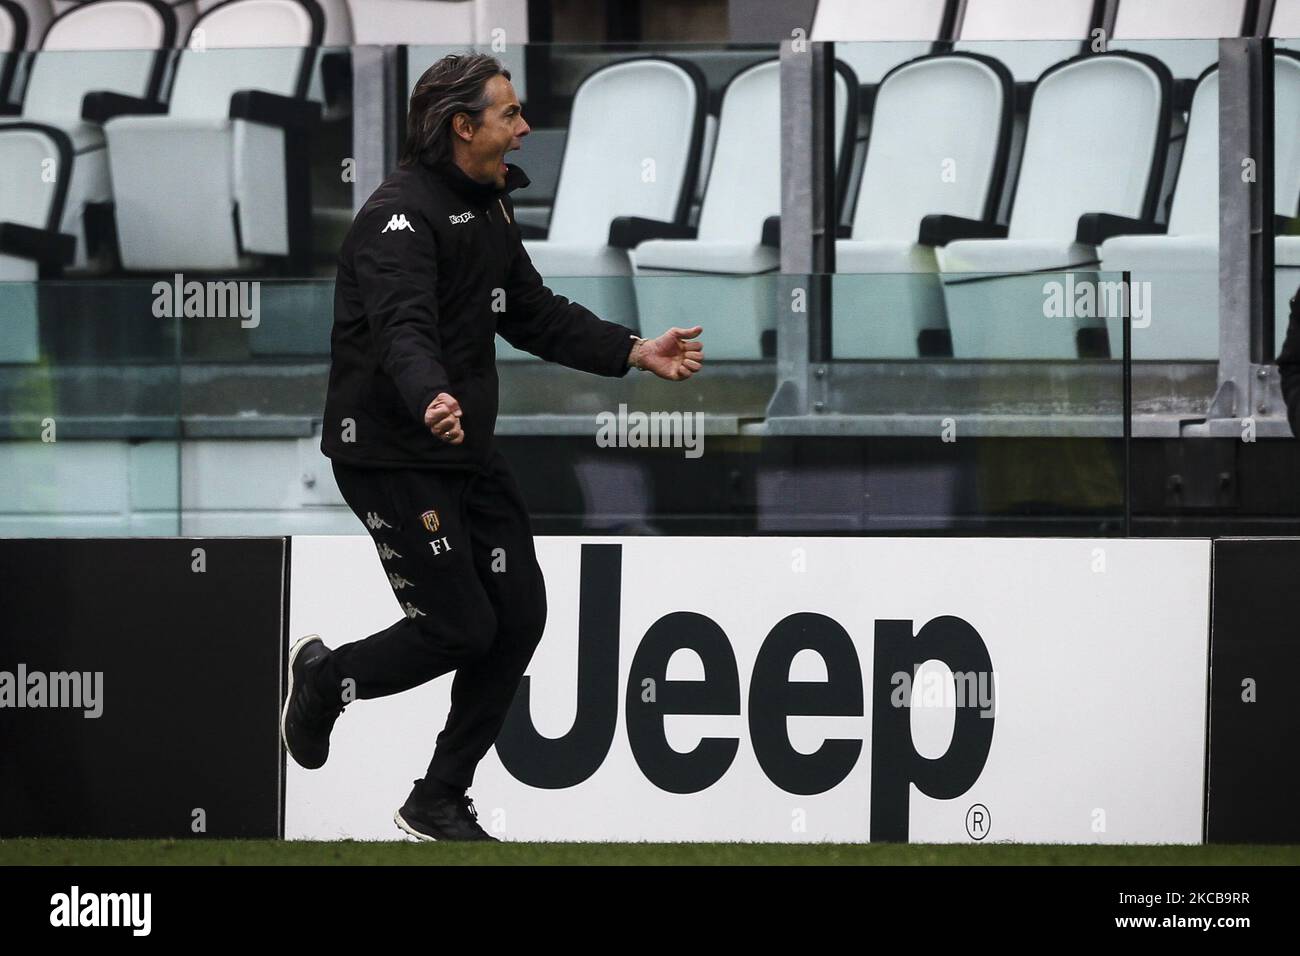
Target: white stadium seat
<point x="1183" y="34"/>
<point x="726" y="259"/>
<point x="939" y="138"/>
<point x="52" y="160"/>
<point x="1044" y="33"/>
<point x="905" y="29"/>
<point x="1285" y="25"/>
<point x="185" y="11"/>
<point x="1183" y="266"/>
<point x="221" y="180"/>
<point x="378" y="22"/>
<point x="337" y="13"/>
<point x="633" y="150"/>
<point x="39" y="13"/>
<point x="1095" y="144"/>
<point x="13" y="41"/>
<point x="36" y="15"/>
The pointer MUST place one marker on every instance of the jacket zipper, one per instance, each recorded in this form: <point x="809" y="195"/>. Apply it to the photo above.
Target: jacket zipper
<point x="504" y="214"/>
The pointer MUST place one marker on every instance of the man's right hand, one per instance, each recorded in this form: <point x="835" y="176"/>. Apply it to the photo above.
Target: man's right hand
<point x="442" y="417"/>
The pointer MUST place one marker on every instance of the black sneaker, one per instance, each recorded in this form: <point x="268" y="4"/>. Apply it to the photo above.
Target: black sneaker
<point x="428" y="816"/>
<point x="308" y="717"/>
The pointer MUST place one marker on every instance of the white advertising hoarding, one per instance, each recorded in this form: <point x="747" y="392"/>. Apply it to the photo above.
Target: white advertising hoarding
<point x="805" y="689"/>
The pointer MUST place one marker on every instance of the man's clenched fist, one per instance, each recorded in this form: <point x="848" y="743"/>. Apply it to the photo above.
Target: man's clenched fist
<point x="442" y="417"/>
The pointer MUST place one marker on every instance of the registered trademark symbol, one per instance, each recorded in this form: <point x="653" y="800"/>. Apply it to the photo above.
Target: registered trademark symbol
<point x="978" y="821"/>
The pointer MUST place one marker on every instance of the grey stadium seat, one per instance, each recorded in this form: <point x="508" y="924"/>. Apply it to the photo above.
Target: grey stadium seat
<point x="633" y="150"/>
<point x="220" y="182"/>
<point x="1096" y="144"/>
<point x="904" y="29"/>
<point x="53" y="157"/>
<point x="940" y="133"/>
<point x="732" y="289"/>
<point x="1183" y="34"/>
<point x="1183" y="266"/>
<point x="1044" y="34"/>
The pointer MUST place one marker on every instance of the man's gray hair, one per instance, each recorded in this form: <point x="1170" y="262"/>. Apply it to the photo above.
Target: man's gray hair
<point x="455" y="84"/>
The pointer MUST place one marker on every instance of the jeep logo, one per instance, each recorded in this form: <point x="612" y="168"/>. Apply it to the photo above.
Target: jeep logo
<point x="899" y="647"/>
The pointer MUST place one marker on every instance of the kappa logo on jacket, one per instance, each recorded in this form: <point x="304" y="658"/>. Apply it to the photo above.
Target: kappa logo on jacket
<point x="397" y="224"/>
<point x="463" y="217"/>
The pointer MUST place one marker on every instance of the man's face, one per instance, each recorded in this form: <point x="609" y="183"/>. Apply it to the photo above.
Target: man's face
<point x="500" y="129"/>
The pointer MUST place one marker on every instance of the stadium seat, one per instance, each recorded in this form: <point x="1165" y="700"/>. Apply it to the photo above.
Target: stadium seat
<point x="380" y="22"/>
<point x="330" y="74"/>
<point x="1095" y="144"/>
<point x="1182" y="267"/>
<point x="905" y="29"/>
<point x="939" y="138"/>
<point x="13" y="41"/>
<point x="1182" y="34"/>
<point x="633" y="150"/>
<point x="732" y="286"/>
<point x="221" y="181"/>
<point x="338" y="19"/>
<point x="1027" y="36"/>
<point x="1285" y="25"/>
<point x="39" y="13"/>
<point x="185" y="11"/>
<point x="53" y="157"/>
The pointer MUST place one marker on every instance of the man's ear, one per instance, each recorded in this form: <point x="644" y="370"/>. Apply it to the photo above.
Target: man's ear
<point x="462" y="127"/>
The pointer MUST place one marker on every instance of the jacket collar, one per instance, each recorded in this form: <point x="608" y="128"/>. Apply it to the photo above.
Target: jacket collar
<point x="482" y="193"/>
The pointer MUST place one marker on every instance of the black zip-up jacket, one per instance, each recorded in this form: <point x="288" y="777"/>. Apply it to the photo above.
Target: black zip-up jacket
<point x="431" y="270"/>
<point x="1288" y="364"/>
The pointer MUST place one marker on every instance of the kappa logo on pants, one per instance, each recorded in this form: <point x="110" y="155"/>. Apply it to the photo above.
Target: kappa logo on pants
<point x="397" y="224"/>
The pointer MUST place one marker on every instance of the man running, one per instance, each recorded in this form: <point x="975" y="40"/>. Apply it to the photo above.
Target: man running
<point x="431" y="270"/>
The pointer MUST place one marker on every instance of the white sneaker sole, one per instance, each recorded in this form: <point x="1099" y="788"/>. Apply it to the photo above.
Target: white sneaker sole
<point x="284" y="713"/>
<point x="406" y="827"/>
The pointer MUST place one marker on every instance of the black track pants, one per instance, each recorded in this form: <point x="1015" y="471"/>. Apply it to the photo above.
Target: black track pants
<point x="458" y="551"/>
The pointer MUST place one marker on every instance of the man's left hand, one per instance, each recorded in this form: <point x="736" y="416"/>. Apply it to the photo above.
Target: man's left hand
<point x="673" y="355"/>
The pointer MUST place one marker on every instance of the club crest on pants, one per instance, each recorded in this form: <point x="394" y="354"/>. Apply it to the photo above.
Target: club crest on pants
<point x="430" y="520"/>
